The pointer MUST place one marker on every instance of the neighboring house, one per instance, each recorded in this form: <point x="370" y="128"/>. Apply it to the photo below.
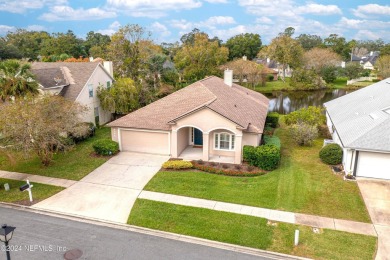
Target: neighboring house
<point x="367" y="62"/>
<point x="360" y="123"/>
<point x="77" y="81"/>
<point x="267" y="71"/>
<point x="211" y="119"/>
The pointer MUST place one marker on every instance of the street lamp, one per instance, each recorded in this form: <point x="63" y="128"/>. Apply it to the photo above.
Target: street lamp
<point x="6" y="233"/>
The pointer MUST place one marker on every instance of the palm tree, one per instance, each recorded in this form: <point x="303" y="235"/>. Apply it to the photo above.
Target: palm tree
<point x="16" y="80"/>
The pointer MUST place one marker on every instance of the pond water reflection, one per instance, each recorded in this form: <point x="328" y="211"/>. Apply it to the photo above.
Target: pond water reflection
<point x="286" y="102"/>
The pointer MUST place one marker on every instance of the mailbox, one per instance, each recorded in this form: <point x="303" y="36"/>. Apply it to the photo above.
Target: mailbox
<point x="24" y="187"/>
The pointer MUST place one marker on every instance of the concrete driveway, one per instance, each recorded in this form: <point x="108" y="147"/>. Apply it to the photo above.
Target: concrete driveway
<point x="109" y="192"/>
<point x="376" y="195"/>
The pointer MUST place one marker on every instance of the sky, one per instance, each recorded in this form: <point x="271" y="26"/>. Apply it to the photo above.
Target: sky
<point x="168" y="20"/>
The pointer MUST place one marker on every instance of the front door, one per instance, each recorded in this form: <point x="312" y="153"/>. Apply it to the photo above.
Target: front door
<point x="198" y="137"/>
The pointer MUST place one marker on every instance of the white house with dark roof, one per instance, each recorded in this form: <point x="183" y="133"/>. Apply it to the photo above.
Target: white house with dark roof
<point x="211" y="119"/>
<point x="78" y="82"/>
<point x="360" y="123"/>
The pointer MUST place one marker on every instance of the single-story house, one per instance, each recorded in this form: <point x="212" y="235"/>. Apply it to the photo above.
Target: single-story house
<point x="77" y="81"/>
<point x="211" y="119"/>
<point x="360" y="123"/>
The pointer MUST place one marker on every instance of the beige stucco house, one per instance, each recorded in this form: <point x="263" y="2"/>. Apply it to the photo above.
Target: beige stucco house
<point x="77" y="81"/>
<point x="212" y="119"/>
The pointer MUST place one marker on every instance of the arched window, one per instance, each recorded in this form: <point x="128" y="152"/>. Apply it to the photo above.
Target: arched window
<point x="224" y="141"/>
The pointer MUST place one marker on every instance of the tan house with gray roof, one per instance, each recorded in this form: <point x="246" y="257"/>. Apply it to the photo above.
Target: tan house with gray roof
<point x="77" y="81"/>
<point x="212" y="119"/>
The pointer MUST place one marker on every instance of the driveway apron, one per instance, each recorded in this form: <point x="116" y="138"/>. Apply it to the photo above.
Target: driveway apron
<point x="109" y="192"/>
<point x="376" y="195"/>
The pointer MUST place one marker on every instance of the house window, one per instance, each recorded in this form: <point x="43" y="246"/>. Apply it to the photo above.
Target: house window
<point x="108" y="84"/>
<point x="90" y="90"/>
<point x="223" y="141"/>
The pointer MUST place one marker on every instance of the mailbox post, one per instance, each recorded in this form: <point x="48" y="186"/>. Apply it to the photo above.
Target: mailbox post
<point x="27" y="187"/>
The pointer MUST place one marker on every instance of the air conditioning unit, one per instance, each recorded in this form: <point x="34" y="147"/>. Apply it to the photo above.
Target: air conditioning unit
<point x="328" y="141"/>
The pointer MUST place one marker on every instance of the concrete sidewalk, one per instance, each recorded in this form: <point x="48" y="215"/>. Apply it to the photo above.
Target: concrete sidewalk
<point x="37" y="178"/>
<point x="275" y="215"/>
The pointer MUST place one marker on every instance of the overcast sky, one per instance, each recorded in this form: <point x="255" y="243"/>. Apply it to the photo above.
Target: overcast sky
<point x="169" y="19"/>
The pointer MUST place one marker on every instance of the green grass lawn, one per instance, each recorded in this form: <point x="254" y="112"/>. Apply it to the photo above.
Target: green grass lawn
<point x="251" y="231"/>
<point x="271" y="86"/>
<point x="302" y="183"/>
<point x="73" y="164"/>
<point x="14" y="195"/>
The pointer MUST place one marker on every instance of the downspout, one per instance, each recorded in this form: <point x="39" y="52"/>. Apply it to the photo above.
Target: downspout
<point x="356" y="162"/>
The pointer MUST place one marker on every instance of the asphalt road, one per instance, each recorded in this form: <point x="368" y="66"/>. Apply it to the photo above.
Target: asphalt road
<point x="41" y="237"/>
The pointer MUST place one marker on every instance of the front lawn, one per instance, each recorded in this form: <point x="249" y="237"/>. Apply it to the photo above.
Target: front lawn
<point x="302" y="183"/>
<point x="14" y="195"/>
<point x="72" y="165"/>
<point x="250" y="231"/>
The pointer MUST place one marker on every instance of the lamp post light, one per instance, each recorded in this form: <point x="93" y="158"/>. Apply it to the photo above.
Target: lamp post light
<point x="6" y="233"/>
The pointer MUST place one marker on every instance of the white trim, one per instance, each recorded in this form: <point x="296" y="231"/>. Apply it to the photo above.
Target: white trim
<point x="188" y="126"/>
<point x="191" y="135"/>
<point x="219" y="141"/>
<point x="147" y="131"/>
<point x="169" y="143"/>
<point x="143" y="130"/>
<point x="221" y="128"/>
<point x="119" y="139"/>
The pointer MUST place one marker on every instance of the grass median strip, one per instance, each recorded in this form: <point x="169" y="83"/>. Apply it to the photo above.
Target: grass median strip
<point x="302" y="184"/>
<point x="14" y="195"/>
<point x="250" y="231"/>
<point x="71" y="165"/>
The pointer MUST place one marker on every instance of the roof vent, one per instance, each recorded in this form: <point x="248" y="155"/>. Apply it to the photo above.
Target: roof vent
<point x="374" y="116"/>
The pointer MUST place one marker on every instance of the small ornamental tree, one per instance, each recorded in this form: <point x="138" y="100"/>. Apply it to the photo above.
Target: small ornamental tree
<point x="303" y="134"/>
<point x="41" y="125"/>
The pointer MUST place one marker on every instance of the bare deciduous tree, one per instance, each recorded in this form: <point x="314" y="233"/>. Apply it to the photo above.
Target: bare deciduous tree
<point x="319" y="58"/>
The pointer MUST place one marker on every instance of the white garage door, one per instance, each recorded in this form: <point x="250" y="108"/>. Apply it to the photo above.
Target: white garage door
<point x="373" y="165"/>
<point x="145" y="142"/>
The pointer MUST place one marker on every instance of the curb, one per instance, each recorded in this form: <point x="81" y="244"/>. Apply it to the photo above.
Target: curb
<point x="157" y="233"/>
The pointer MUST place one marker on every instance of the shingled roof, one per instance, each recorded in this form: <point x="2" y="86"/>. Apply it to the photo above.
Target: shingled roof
<point x="75" y="74"/>
<point x="362" y="118"/>
<point x="245" y="107"/>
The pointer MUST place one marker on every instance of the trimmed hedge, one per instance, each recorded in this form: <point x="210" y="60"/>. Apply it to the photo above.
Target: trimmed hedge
<point x="272" y="119"/>
<point x="176" y="165"/>
<point x="272" y="140"/>
<point x="331" y="154"/>
<point x="105" y="147"/>
<point x="266" y="157"/>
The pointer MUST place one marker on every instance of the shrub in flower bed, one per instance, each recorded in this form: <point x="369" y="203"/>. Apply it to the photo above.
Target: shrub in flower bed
<point x="177" y="165"/>
<point x="229" y="172"/>
<point x="105" y="147"/>
<point x="266" y="157"/>
<point x="331" y="154"/>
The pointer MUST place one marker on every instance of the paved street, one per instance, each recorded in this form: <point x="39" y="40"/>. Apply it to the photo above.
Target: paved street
<point x="109" y="192"/>
<point x="37" y="233"/>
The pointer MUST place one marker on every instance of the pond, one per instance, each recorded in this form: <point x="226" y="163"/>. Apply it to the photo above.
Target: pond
<point x="286" y="102"/>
